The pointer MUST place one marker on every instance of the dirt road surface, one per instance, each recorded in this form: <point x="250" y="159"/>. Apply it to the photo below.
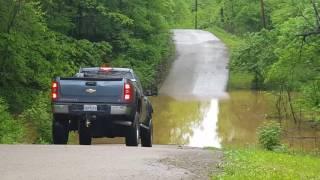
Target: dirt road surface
<point x="200" y="71"/>
<point x="104" y="162"/>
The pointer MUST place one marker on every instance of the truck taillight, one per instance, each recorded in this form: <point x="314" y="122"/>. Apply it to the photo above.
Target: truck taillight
<point x="127" y="92"/>
<point x="54" y="90"/>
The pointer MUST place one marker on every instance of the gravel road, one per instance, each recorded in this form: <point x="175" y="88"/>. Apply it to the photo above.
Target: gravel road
<point x="104" y="162"/>
<point x="200" y="71"/>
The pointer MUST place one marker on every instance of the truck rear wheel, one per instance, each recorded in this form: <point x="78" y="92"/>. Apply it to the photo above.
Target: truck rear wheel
<point x="84" y="133"/>
<point x="147" y="136"/>
<point x="60" y="131"/>
<point x="133" y="133"/>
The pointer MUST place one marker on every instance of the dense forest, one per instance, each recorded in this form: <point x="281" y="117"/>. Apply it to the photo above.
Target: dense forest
<point x="276" y="42"/>
<point x="41" y="39"/>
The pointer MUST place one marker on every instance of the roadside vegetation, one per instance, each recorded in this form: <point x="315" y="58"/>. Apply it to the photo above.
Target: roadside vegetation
<point x="252" y="163"/>
<point x="274" y="46"/>
<point x="269" y="159"/>
<point x="41" y="39"/>
<point x="11" y="130"/>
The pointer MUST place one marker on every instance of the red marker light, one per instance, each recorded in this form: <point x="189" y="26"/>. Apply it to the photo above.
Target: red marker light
<point x="54" y="90"/>
<point x="105" y="69"/>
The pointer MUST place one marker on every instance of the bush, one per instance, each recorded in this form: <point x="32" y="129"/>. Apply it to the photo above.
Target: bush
<point x="10" y="130"/>
<point x="38" y="116"/>
<point x="269" y="135"/>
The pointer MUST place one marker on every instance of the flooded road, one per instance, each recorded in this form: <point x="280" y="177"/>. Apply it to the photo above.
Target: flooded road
<point x="192" y="123"/>
<point x="231" y="122"/>
<point x="186" y="112"/>
<point x="194" y="109"/>
<point x="214" y="123"/>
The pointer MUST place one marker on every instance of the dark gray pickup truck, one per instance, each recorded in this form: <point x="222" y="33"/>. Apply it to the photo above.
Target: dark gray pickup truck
<point x="102" y="102"/>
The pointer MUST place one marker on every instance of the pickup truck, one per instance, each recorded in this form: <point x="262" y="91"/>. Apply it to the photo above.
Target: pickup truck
<point x="102" y="102"/>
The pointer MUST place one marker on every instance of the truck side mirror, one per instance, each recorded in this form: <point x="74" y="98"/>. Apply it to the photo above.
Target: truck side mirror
<point x="148" y="93"/>
<point x="151" y="93"/>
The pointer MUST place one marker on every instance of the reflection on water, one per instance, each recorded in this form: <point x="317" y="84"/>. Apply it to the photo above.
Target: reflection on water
<point x="206" y="134"/>
<point x="190" y="123"/>
<point x="209" y="124"/>
<point x="231" y="122"/>
<point x="174" y="120"/>
<point x="241" y="115"/>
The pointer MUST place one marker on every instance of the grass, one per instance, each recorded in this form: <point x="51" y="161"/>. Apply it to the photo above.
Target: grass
<point x="232" y="41"/>
<point x="240" y="80"/>
<point x="259" y="164"/>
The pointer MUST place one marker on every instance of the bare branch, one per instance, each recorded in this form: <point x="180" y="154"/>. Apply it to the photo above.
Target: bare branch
<point x="310" y="33"/>
<point x="317" y="17"/>
<point x="316" y="12"/>
<point x="301" y="47"/>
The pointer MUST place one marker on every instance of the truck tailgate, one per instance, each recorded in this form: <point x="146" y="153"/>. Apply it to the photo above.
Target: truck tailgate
<point x="91" y="90"/>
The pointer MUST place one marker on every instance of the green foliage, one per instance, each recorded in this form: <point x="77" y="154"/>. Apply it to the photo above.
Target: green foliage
<point x="256" y="56"/>
<point x="284" y="56"/>
<point x="234" y="16"/>
<point x="39" y="117"/>
<point x="269" y="135"/>
<point x="240" y="80"/>
<point x="42" y="39"/>
<point x="310" y="100"/>
<point x="179" y="13"/>
<point x="11" y="131"/>
<point x="258" y="164"/>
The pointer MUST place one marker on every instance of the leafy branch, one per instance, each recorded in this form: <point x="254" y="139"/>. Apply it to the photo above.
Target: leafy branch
<point x="316" y="31"/>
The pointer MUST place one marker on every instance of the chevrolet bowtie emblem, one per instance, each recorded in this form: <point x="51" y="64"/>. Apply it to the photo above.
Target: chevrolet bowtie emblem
<point x="90" y="91"/>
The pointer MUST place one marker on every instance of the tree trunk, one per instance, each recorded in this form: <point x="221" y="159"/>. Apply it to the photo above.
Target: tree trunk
<point x="263" y="14"/>
<point x="196" y="15"/>
<point x="16" y="10"/>
<point x="291" y="106"/>
<point x="80" y="16"/>
<point x="222" y="15"/>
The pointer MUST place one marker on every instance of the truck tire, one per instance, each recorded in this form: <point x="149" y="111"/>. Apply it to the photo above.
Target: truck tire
<point x="133" y="133"/>
<point x="60" y="131"/>
<point x="84" y="134"/>
<point x="147" y="136"/>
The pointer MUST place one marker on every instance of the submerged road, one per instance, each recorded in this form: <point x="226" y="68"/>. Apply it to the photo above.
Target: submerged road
<point x="199" y="72"/>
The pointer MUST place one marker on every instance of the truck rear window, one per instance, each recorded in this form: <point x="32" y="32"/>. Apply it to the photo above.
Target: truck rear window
<point x="108" y="74"/>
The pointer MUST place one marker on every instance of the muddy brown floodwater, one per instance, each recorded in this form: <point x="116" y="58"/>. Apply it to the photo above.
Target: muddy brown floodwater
<point x="223" y="123"/>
